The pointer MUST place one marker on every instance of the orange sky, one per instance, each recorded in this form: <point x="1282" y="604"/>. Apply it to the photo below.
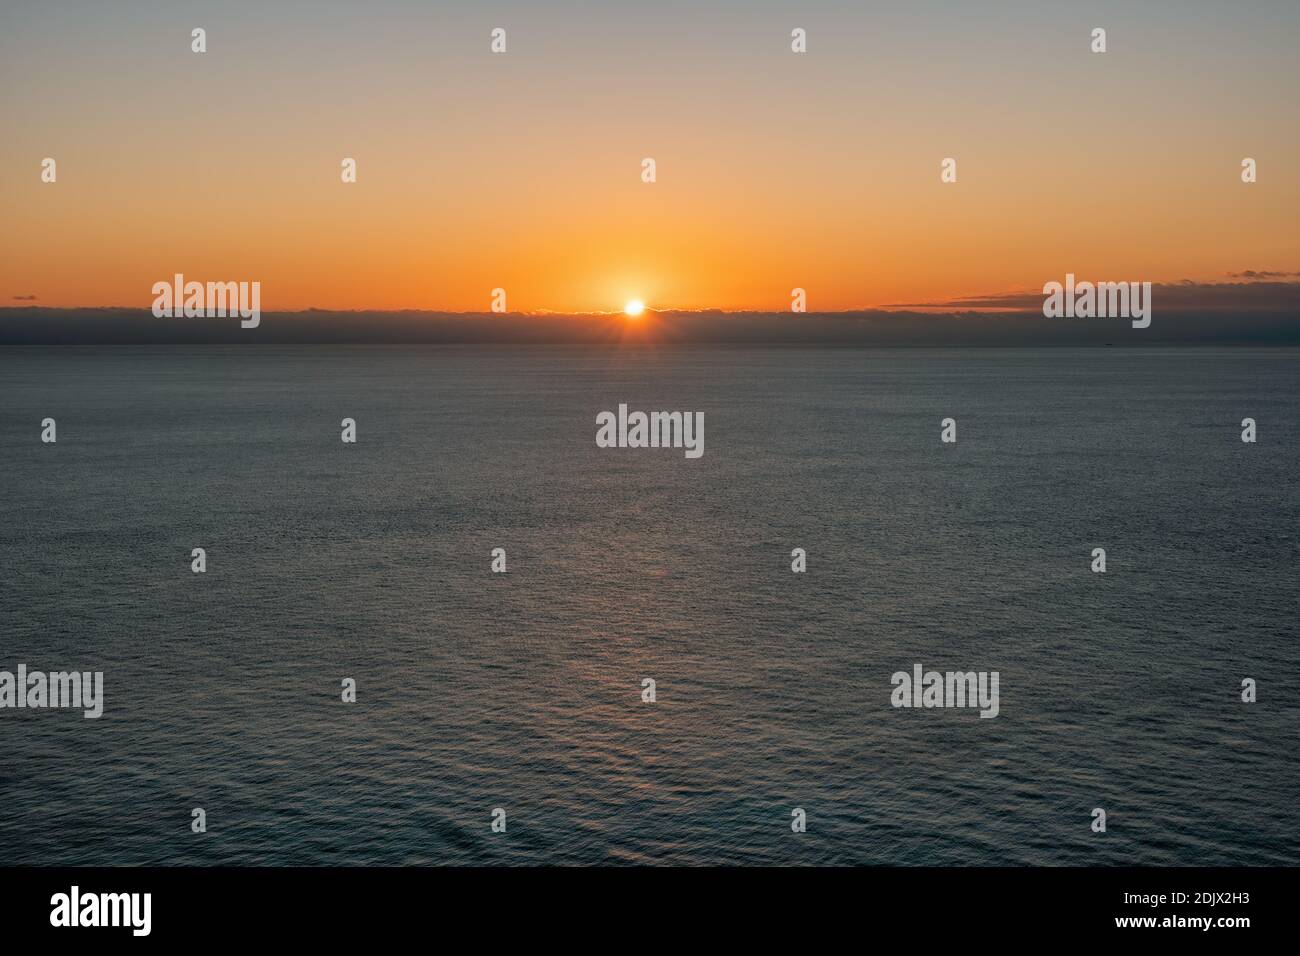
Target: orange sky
<point x="522" y="170"/>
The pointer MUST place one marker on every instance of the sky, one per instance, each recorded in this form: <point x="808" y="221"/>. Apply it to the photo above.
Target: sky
<point x="522" y="170"/>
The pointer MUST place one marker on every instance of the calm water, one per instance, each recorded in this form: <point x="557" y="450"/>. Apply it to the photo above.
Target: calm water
<point x="522" y="690"/>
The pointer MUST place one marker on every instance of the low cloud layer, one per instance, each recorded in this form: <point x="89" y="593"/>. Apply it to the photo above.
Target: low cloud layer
<point x="1270" y="295"/>
<point x="1272" y="319"/>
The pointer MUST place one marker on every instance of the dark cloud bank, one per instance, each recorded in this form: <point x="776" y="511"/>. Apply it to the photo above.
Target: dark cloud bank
<point x="1252" y="313"/>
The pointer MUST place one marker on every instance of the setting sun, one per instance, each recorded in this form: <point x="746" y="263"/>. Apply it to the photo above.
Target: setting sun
<point x="634" y="308"/>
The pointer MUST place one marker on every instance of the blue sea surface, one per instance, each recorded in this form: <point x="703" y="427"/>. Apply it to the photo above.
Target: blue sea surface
<point x="523" y="690"/>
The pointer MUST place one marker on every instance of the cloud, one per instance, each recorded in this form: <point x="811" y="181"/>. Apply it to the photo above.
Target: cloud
<point x="1228" y="322"/>
<point x="1262" y="274"/>
<point x="1262" y="292"/>
<point x="1259" y="309"/>
<point x="25" y="298"/>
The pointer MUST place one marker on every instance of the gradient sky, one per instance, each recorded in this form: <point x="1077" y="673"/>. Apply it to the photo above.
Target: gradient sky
<point x="523" y="170"/>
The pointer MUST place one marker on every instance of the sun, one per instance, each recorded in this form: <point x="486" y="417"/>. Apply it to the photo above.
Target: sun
<point x="633" y="308"/>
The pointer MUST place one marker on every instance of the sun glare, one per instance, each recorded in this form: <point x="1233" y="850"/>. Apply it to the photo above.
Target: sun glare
<point x="634" y="308"/>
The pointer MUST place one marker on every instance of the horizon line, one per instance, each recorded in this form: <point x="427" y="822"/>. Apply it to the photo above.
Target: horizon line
<point x="1005" y="302"/>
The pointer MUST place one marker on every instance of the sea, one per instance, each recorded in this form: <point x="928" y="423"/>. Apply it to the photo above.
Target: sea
<point x="521" y="696"/>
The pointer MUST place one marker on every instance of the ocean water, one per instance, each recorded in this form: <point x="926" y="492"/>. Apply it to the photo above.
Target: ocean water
<point x="523" y="690"/>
